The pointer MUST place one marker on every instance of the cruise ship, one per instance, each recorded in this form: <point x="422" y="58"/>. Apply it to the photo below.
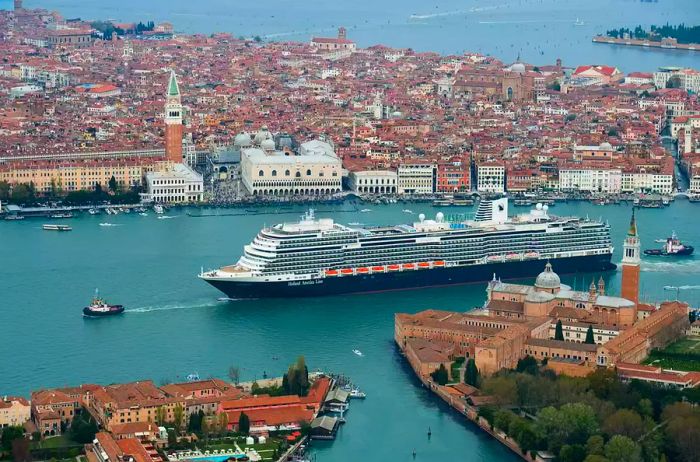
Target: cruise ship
<point x="317" y="256"/>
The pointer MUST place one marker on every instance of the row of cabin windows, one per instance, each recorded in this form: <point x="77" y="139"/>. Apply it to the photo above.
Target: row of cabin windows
<point x="298" y="174"/>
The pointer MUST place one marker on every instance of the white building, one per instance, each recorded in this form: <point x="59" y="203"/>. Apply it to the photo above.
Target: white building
<point x="374" y="181"/>
<point x="608" y="181"/>
<point x="314" y="170"/>
<point x="491" y="178"/>
<point x="688" y="79"/>
<point x="174" y="184"/>
<point x="660" y="183"/>
<point x="416" y="178"/>
<point x="577" y="331"/>
<point x="694" y="187"/>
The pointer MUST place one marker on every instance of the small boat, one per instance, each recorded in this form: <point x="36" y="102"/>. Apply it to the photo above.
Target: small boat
<point x="51" y="227"/>
<point x="578" y="22"/>
<point x="408" y="266"/>
<point x="424" y="264"/>
<point x="358" y="352"/>
<point x="439" y="263"/>
<point x="331" y="272"/>
<point x="356" y="393"/>
<point x="194" y="377"/>
<point x="93" y="212"/>
<point x="100" y="308"/>
<point x="62" y="215"/>
<point x="365" y="210"/>
<point x="407" y="211"/>
<point x="14" y="217"/>
<point x="143" y="214"/>
<point x="363" y="270"/>
<point x="673" y="248"/>
<point x="158" y="209"/>
<point x="377" y="269"/>
<point x="346" y="271"/>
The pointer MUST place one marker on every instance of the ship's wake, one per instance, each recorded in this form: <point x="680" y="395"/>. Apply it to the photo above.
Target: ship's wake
<point x="680" y="266"/>
<point x="170" y="307"/>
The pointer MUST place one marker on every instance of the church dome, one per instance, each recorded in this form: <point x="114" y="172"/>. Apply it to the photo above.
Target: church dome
<point x="262" y="135"/>
<point x="242" y="140"/>
<point x="267" y="145"/>
<point x="548" y="279"/>
<point x="518" y="68"/>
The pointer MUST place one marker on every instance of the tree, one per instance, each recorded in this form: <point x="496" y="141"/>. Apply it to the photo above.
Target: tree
<point x="471" y="375"/>
<point x="595" y="445"/>
<point x="528" y="365"/>
<point x="572" y="453"/>
<point x="573" y="423"/>
<point x="223" y="422"/>
<point x="178" y="416"/>
<point x="243" y="423"/>
<point x="622" y="449"/>
<point x="172" y="437"/>
<point x="590" y="339"/>
<point x="595" y="458"/>
<point x="502" y="419"/>
<point x="9" y="434"/>
<point x="559" y="331"/>
<point x="5" y="192"/>
<point x="83" y="428"/>
<point x="160" y="415"/>
<point x="113" y="184"/>
<point x="440" y="375"/>
<point x="625" y="422"/>
<point x="195" y="423"/>
<point x="502" y="388"/>
<point x="20" y="450"/>
<point x="234" y="373"/>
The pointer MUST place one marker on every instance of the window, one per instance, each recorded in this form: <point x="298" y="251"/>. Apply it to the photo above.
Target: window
<point x="308" y="172"/>
<point x="274" y="173"/>
<point x="286" y="173"/>
<point x="261" y="173"/>
<point x="298" y="175"/>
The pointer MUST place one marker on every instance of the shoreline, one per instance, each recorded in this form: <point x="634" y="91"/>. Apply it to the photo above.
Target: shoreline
<point x="646" y="43"/>
<point x="469" y="412"/>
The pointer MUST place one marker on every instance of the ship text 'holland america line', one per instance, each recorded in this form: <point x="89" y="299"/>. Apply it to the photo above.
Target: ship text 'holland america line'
<point x="319" y="257"/>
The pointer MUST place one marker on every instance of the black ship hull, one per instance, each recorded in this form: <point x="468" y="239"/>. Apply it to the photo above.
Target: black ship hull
<point x="686" y="251"/>
<point x="412" y="279"/>
<point x="114" y="310"/>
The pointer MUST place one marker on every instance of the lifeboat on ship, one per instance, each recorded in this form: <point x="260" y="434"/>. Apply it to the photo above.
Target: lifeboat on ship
<point x="495" y="258"/>
<point x="377" y="269"/>
<point x="331" y="272"/>
<point x="439" y="263"/>
<point x="408" y="266"/>
<point x="512" y="256"/>
<point x="423" y="265"/>
<point x="531" y="254"/>
<point x="363" y="270"/>
<point x="394" y="267"/>
<point x="346" y="271"/>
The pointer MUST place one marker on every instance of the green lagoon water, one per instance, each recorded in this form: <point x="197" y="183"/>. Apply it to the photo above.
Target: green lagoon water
<point x="175" y="325"/>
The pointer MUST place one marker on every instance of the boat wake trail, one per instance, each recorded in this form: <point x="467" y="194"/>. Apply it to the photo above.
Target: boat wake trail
<point x="682" y="287"/>
<point x="687" y="266"/>
<point x="166" y="217"/>
<point x="107" y="225"/>
<point x="150" y="309"/>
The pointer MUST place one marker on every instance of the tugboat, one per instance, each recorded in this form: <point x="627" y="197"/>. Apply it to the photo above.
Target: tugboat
<point x="673" y="247"/>
<point x="99" y="308"/>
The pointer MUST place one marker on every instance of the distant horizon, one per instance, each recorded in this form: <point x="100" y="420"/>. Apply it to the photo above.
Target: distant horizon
<point x="537" y="31"/>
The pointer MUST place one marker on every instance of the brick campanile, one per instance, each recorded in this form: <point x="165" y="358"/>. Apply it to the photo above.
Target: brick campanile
<point x="173" y="121"/>
<point x="630" y="263"/>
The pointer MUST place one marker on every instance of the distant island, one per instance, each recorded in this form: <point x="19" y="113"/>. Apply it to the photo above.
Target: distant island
<point x="681" y="33"/>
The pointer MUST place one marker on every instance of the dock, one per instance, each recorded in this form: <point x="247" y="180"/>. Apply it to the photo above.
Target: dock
<point x="664" y="44"/>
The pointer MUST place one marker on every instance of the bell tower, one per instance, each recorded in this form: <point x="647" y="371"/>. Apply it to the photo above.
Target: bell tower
<point x="630" y="263"/>
<point x="173" y="121"/>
